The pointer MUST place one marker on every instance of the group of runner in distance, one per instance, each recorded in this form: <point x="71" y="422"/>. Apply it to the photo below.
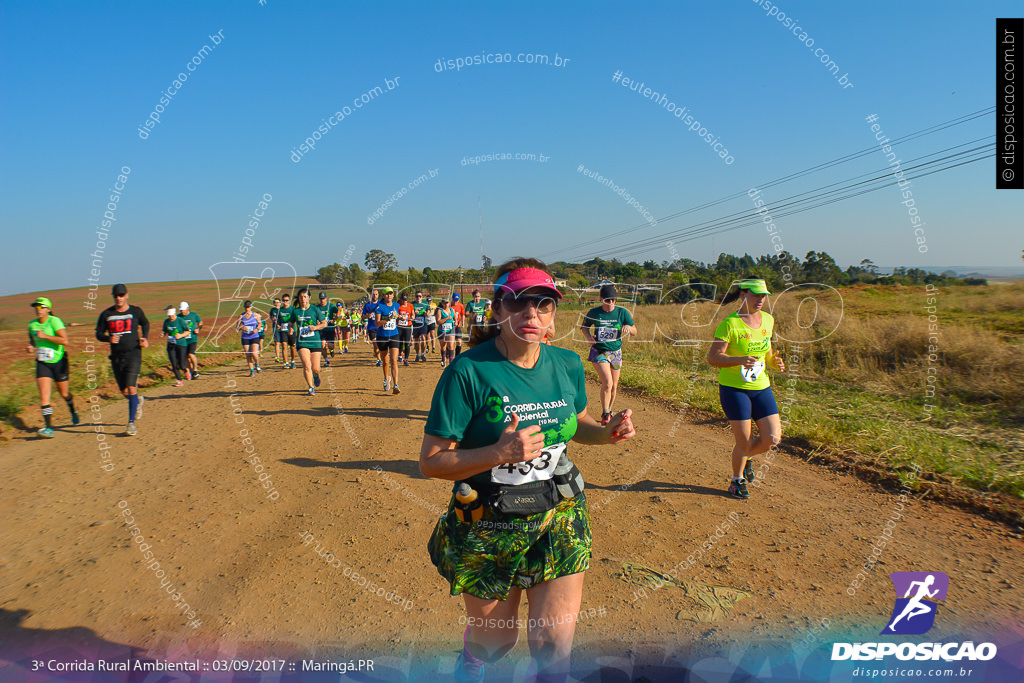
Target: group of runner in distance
<point x="501" y="417"/>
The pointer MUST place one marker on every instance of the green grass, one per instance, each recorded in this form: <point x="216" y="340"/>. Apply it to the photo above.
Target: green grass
<point x="966" y="443"/>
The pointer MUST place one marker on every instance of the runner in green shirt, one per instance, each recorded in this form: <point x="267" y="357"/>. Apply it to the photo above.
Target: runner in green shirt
<point x="47" y="339"/>
<point x="176" y="330"/>
<point x="500" y="419"/>
<point x="195" y="323"/>
<point x="609" y="323"/>
<point x="420" y="327"/>
<point x="309" y="320"/>
<point x="741" y="350"/>
<point x="284" y="331"/>
<point x="328" y="334"/>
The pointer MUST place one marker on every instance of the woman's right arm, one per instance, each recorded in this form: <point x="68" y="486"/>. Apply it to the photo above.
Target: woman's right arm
<point x="441" y="458"/>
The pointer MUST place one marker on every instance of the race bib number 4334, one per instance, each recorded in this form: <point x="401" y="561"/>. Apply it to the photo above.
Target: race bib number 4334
<point x="538" y="469"/>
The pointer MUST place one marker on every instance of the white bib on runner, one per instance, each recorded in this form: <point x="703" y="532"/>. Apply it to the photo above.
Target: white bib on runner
<point x="305" y="332"/>
<point x="607" y="334"/>
<point x="390" y="324"/>
<point x="44" y="355"/>
<point x="538" y="469"/>
<point x="420" y="320"/>
<point x="447" y="326"/>
<point x="751" y="374"/>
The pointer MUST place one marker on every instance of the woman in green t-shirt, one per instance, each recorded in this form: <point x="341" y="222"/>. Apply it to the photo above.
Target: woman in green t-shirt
<point x="178" y="335"/>
<point x="517" y="522"/>
<point x="741" y="350"/>
<point x="47" y="339"/>
<point x="309" y="320"/>
<point x="609" y="323"/>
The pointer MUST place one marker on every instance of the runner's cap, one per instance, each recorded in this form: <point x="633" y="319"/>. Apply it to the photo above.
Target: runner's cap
<point x="755" y="286"/>
<point x="404" y="297"/>
<point x="248" y="304"/>
<point x="608" y="292"/>
<point x="523" y="278"/>
<point x="388" y="290"/>
<point x="170" y="311"/>
<point x="41" y="301"/>
<point x="323" y="295"/>
<point x="183" y="305"/>
<point x="455" y="297"/>
<point x="118" y="290"/>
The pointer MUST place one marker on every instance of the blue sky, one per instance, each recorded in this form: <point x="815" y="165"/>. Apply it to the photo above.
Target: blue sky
<point x="78" y="79"/>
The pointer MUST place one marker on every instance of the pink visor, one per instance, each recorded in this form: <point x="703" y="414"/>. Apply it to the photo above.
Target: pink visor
<point x="523" y="278"/>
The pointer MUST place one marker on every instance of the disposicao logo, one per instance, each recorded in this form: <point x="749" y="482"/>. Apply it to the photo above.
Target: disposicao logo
<point x="914" y="614"/>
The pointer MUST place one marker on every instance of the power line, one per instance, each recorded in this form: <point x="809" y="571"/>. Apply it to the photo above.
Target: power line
<point x="850" y="189"/>
<point x="799" y="174"/>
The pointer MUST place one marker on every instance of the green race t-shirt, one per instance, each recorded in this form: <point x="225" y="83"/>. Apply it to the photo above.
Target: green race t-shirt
<point x="476" y="395"/>
<point x="285" y="318"/>
<point x="177" y="326"/>
<point x="46" y="351"/>
<point x="193" y="321"/>
<point x="306" y="338"/>
<point x="607" y="327"/>
<point x="744" y="341"/>
<point x="475" y="312"/>
<point x="420" y="311"/>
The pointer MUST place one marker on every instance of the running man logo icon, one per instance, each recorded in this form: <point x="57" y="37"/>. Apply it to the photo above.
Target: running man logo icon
<point x="914" y="613"/>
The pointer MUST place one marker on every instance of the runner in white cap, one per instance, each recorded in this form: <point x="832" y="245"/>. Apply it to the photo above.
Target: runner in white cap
<point x="195" y="323"/>
<point x="175" y="329"/>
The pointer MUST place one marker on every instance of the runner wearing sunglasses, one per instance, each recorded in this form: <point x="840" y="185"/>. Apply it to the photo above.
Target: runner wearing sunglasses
<point x="517" y="521"/>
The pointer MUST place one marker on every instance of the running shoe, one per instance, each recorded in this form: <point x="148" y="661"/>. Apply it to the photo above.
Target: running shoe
<point x="378" y="363"/>
<point x="316" y="379"/>
<point x="401" y="358"/>
<point x="195" y="373"/>
<point x="259" y="369"/>
<point x="738" y="489"/>
<point x="46" y="433"/>
<point x="605" y="418"/>
<point x="251" y="373"/>
<point x="132" y="431"/>
<point x="748" y="471"/>
<point x="276" y="359"/>
<point x="396" y="390"/>
<point x="442" y="362"/>
<point x="405" y="363"/>
<point x="387" y="383"/>
<point x="327" y="362"/>
<point x="74" y="418"/>
<point x="468" y="672"/>
<point x="179" y="383"/>
<point x="138" y="410"/>
<point x="188" y="374"/>
<point x="332" y="353"/>
<point x="312" y="391"/>
<point x="345" y="350"/>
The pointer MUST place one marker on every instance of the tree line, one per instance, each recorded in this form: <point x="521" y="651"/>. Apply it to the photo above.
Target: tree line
<point x="778" y="270"/>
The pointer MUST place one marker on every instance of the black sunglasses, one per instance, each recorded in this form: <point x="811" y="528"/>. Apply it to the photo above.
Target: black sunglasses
<point x="518" y="304"/>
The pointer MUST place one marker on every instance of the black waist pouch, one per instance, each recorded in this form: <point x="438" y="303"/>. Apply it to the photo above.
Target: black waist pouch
<point x="525" y="499"/>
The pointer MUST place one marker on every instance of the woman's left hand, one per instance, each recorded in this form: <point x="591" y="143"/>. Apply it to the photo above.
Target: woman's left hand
<point x="778" y="363"/>
<point x="620" y="427"/>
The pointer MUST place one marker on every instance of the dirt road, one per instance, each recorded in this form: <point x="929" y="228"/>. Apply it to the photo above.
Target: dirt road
<point x="343" y="466"/>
